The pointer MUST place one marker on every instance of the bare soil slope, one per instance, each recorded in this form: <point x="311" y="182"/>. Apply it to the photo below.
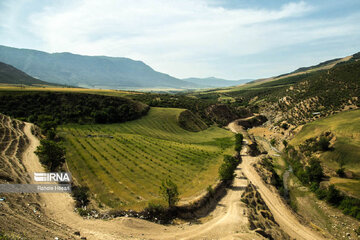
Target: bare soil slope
<point x="21" y="215"/>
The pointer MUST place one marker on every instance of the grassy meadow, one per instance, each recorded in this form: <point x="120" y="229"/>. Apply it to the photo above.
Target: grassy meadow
<point x="346" y="128"/>
<point x="124" y="164"/>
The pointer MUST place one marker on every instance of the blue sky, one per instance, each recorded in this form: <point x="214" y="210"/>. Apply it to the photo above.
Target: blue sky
<point x="233" y="39"/>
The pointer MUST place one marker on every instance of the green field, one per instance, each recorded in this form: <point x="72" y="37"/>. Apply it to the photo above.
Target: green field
<point x="346" y="127"/>
<point x="124" y="164"/>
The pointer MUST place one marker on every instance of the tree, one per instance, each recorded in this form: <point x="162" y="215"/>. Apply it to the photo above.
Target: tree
<point x="341" y="172"/>
<point x="238" y="142"/>
<point x="333" y="195"/>
<point x="314" y="171"/>
<point x="324" y="144"/>
<point x="51" y="154"/>
<point x="169" y="192"/>
<point x="227" y="168"/>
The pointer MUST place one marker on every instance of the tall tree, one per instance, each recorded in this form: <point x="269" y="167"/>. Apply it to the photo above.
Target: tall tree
<point x="51" y="154"/>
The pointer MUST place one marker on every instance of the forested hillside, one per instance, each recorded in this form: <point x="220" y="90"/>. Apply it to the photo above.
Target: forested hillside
<point x="70" y="107"/>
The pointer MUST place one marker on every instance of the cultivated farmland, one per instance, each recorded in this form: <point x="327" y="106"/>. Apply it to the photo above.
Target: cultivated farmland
<point x="124" y="164"/>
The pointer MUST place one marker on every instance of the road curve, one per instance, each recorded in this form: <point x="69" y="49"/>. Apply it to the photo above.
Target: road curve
<point x="227" y="221"/>
<point x="282" y="214"/>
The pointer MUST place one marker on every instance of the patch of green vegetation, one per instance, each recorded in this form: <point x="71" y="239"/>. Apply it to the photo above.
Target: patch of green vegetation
<point x="312" y="174"/>
<point x="346" y="150"/>
<point x="70" y="107"/>
<point x="227" y="168"/>
<point x="124" y="164"/>
<point x="4" y="236"/>
<point x="226" y="99"/>
<point x="191" y="122"/>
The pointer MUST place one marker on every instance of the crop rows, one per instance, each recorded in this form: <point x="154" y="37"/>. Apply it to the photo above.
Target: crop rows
<point x="124" y="164"/>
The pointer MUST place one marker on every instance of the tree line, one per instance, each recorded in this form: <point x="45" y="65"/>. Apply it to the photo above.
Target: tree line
<point x="63" y="108"/>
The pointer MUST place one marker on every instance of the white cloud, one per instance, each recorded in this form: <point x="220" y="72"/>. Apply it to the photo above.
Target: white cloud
<point x="182" y="38"/>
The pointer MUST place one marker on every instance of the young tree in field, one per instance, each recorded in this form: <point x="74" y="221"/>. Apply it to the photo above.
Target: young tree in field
<point x="51" y="154"/>
<point x="169" y="192"/>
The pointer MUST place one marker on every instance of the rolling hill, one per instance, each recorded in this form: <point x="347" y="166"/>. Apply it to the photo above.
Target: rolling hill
<point x="346" y="149"/>
<point x="324" y="89"/>
<point x="11" y="75"/>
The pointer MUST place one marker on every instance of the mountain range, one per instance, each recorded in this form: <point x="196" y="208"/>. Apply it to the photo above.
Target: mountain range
<point x="99" y="71"/>
<point x="213" y="82"/>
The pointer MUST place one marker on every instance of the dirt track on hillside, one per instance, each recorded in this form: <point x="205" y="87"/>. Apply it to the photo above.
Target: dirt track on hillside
<point x="282" y="214"/>
<point x="227" y="221"/>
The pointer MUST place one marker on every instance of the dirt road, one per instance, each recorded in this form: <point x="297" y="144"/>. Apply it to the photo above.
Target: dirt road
<point x="282" y="214"/>
<point x="227" y="221"/>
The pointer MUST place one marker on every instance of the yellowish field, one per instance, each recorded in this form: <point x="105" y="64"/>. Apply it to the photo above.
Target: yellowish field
<point x="106" y="92"/>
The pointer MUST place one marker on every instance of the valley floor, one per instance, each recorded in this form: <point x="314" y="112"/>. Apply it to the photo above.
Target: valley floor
<point x="229" y="220"/>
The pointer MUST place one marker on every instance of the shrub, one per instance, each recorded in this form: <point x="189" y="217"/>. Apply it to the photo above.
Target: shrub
<point x="302" y="176"/>
<point x="321" y="193"/>
<point x="333" y="196"/>
<point x="314" y="186"/>
<point x="324" y="144"/>
<point x="210" y="190"/>
<point x="341" y="172"/>
<point x="285" y="126"/>
<point x="154" y="209"/>
<point x="83" y="212"/>
<point x="81" y="196"/>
